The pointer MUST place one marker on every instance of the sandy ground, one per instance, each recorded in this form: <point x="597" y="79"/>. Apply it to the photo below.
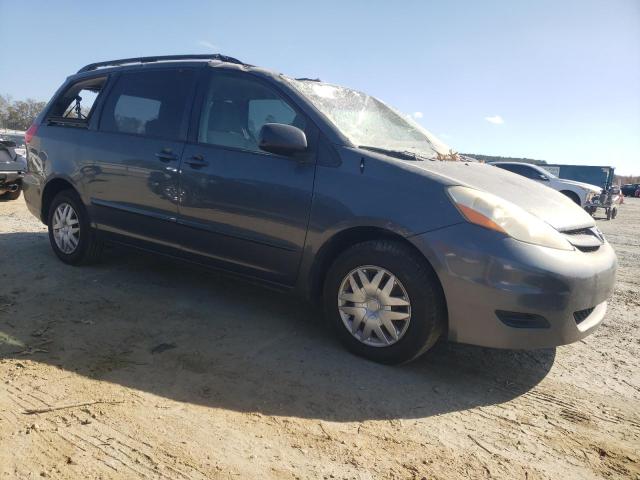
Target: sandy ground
<point x="205" y="377"/>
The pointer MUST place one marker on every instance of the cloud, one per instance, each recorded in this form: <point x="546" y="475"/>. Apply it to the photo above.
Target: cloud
<point x="417" y="115"/>
<point x="496" y="120"/>
<point x="206" y="44"/>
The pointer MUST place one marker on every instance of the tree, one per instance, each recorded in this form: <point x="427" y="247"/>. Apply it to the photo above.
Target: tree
<point x="18" y="115"/>
<point x="5" y="102"/>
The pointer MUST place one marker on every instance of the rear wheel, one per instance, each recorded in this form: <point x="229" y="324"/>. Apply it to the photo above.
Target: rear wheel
<point x="384" y="301"/>
<point x="70" y="233"/>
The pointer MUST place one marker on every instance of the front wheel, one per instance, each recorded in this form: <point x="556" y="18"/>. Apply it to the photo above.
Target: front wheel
<point x="384" y="301"/>
<point x="70" y="233"/>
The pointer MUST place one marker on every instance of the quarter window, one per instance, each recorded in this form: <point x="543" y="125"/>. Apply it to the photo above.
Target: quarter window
<point x="75" y="105"/>
<point x="235" y="110"/>
<point x="151" y="103"/>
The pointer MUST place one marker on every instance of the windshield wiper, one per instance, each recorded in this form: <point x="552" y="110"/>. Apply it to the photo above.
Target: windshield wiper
<point x="404" y="154"/>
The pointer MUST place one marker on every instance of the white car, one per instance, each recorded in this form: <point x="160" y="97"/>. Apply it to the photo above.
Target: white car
<point x="579" y="192"/>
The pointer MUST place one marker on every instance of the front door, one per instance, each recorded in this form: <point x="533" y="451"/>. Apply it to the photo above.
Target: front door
<point x="132" y="182"/>
<point x="245" y="209"/>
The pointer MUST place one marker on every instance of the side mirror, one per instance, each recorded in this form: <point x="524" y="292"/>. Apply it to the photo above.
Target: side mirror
<point x="282" y="139"/>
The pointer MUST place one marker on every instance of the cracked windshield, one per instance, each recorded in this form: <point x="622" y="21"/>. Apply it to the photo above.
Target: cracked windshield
<point x="369" y="123"/>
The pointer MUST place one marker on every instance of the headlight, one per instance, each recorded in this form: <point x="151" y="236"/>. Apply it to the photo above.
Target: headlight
<point x="494" y="213"/>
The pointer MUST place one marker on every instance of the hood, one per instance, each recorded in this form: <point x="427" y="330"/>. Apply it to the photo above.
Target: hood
<point x="586" y="186"/>
<point x="545" y="203"/>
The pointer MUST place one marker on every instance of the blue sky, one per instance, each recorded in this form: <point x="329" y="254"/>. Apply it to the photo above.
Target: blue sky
<point x="558" y="81"/>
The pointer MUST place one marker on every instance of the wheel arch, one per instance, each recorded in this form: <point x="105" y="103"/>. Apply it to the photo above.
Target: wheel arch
<point x="51" y="189"/>
<point x="343" y="240"/>
<point x="572" y="195"/>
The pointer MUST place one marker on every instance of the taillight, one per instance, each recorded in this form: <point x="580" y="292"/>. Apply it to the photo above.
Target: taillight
<point x="28" y="135"/>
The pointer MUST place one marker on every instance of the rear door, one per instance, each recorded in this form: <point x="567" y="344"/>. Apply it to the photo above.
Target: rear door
<point x="132" y="182"/>
<point x="246" y="210"/>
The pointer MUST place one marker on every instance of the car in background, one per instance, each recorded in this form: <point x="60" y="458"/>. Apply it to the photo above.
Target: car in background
<point x="12" y="168"/>
<point x="581" y="193"/>
<point x="630" y="189"/>
<point x="17" y="137"/>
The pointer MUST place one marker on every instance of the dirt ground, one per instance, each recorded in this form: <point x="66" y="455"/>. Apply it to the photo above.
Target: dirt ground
<point x="200" y="376"/>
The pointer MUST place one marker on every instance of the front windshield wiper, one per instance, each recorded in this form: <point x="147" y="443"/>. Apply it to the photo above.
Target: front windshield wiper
<point x="402" y="154"/>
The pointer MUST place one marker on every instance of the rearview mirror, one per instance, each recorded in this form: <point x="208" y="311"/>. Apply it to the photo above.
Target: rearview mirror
<point x="282" y="139"/>
<point x="544" y="178"/>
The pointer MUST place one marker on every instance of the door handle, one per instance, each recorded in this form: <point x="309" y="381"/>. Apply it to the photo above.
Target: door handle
<point x="167" y="156"/>
<point x="197" y="161"/>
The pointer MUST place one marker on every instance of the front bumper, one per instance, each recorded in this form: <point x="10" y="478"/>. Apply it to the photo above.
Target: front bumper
<point x="504" y="293"/>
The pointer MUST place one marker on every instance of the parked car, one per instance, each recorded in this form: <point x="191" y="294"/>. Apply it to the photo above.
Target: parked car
<point x="18" y="138"/>
<point x="12" y="168"/>
<point x="581" y="193"/>
<point x="630" y="189"/>
<point x="317" y="189"/>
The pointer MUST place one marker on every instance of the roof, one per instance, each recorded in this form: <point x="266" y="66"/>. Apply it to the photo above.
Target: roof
<point x="578" y="166"/>
<point x="162" y="58"/>
<point x="516" y="163"/>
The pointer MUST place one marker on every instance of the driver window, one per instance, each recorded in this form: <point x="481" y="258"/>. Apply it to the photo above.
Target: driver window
<point x="235" y="110"/>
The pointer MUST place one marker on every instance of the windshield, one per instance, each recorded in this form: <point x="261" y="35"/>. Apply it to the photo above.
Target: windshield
<point x="368" y="122"/>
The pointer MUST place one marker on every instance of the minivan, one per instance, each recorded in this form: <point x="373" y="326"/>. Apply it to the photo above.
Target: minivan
<point x="318" y="189"/>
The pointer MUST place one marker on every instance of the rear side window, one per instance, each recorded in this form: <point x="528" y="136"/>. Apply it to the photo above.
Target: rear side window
<point x="152" y="103"/>
<point x="75" y="106"/>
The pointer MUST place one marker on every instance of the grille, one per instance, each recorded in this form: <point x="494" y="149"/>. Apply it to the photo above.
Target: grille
<point x="587" y="249"/>
<point x="584" y="239"/>
<point x="580" y="231"/>
<point x="581" y="315"/>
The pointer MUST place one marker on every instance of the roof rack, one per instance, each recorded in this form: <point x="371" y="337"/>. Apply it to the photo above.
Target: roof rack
<point x="162" y="58"/>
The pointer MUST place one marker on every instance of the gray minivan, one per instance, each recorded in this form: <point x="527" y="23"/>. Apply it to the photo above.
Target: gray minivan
<point x="317" y="189"/>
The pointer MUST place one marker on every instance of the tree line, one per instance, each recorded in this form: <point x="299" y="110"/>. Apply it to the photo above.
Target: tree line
<point x="18" y="114"/>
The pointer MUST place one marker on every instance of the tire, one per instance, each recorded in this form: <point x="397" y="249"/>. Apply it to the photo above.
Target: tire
<point x="11" y="195"/>
<point x="88" y="248"/>
<point x="415" y="278"/>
